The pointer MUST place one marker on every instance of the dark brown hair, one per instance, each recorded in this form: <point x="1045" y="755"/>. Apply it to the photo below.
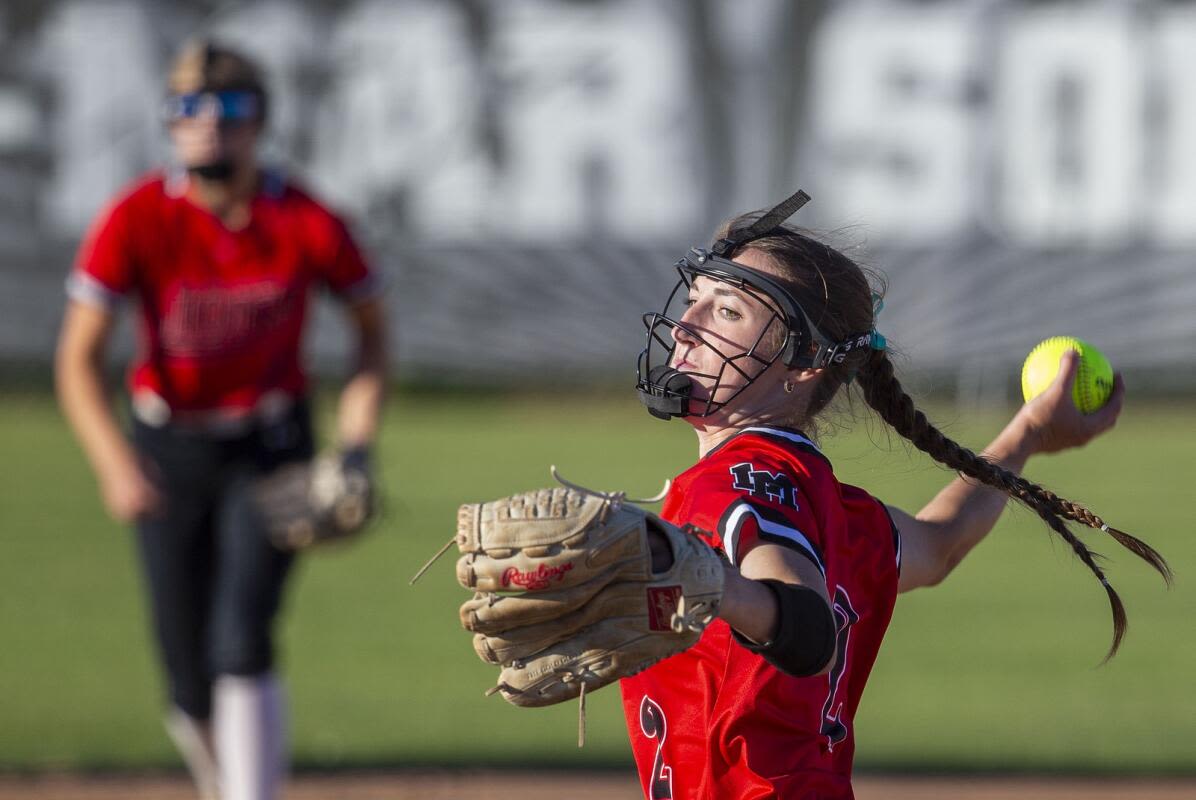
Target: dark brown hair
<point x="204" y="65"/>
<point x="837" y="296"/>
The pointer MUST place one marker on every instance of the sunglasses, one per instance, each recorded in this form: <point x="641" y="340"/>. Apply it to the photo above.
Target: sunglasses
<point x="230" y="108"/>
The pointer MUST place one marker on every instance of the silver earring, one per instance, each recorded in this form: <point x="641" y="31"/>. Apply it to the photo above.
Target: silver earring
<point x="788" y="387"/>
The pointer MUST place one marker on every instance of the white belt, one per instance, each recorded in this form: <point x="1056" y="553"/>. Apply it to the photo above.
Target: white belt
<point x="152" y="409"/>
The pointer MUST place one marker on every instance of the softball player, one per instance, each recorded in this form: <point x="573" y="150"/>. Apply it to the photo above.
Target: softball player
<point x="760" y="335"/>
<point x="221" y="256"/>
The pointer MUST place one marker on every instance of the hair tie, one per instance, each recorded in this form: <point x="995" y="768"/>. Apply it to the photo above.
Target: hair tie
<point x="876" y="339"/>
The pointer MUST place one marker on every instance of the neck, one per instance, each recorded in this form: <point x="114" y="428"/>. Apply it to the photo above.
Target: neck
<point x="710" y="438"/>
<point x="712" y="431"/>
<point x="227" y="199"/>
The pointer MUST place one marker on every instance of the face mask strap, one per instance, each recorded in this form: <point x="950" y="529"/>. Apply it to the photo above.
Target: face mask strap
<point x="763" y="226"/>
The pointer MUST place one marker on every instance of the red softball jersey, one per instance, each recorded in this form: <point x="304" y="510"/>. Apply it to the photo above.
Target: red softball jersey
<point x="718" y="721"/>
<point x="221" y="311"/>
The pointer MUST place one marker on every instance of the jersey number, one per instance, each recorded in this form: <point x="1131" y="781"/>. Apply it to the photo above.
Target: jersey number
<point x="833" y="727"/>
<point x="652" y="723"/>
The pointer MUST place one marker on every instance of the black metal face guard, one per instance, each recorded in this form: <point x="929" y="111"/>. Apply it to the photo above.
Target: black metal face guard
<point x="666" y="391"/>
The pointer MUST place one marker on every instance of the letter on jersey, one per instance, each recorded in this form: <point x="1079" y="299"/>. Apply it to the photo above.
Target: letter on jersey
<point x="774" y="486"/>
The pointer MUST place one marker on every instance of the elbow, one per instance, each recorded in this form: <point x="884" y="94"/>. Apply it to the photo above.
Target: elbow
<point x="828" y="651"/>
<point x="372" y="339"/>
<point x="830" y="663"/>
<point x="72" y="360"/>
<point x="805" y="643"/>
<point x="937" y="559"/>
<point x="68" y="363"/>
<point x="946" y="564"/>
<point x="372" y="360"/>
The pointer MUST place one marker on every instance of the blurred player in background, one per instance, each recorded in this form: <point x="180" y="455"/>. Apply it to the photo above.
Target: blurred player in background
<point x="767" y="329"/>
<point x="221" y="256"/>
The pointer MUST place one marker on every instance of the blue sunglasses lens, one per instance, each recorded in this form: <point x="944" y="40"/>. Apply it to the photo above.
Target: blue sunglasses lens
<point x="225" y="106"/>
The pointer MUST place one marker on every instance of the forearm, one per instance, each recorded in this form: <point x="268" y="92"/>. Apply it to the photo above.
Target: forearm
<point x="779" y="606"/>
<point x="965" y="511"/>
<point x="748" y="607"/>
<point x="84" y="402"/>
<point x="360" y="408"/>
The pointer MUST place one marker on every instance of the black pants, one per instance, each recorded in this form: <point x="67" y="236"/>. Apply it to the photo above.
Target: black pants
<point x="214" y="581"/>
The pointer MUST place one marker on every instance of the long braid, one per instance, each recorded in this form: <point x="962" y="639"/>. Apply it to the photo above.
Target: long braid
<point x="1078" y="513"/>
<point x="838" y="295"/>
<point x="884" y="393"/>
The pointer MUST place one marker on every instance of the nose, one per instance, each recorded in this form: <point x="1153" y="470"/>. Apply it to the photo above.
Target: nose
<point x="683" y="335"/>
<point x="205" y="124"/>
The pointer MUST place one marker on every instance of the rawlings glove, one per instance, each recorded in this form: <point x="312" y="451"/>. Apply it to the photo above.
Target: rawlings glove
<point x="567" y="600"/>
<point x="310" y="502"/>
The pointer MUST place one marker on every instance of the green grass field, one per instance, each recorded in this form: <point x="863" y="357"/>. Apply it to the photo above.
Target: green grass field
<point x="994" y="670"/>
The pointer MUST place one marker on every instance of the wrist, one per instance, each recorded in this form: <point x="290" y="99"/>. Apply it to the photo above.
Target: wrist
<point x="116" y="464"/>
<point x="747" y="606"/>
<point x="356" y="456"/>
<point x="1014" y="445"/>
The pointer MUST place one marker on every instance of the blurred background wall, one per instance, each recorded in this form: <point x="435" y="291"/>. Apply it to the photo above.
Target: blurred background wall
<point x="526" y="171"/>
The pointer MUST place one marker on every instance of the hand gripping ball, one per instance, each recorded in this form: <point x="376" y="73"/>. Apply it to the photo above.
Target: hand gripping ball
<point x="1094" y="379"/>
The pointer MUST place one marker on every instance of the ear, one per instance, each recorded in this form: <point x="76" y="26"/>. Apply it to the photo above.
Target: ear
<point x="797" y="379"/>
<point x="796" y="375"/>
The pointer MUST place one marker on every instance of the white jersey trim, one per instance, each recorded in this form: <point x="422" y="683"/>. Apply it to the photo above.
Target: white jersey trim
<point x="83" y="288"/>
<point x="735" y="520"/>
<point x="797" y="438"/>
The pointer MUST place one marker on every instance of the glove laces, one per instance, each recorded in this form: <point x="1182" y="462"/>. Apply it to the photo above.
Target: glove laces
<point x="613" y="501"/>
<point x="567" y="675"/>
<point x="691" y="617"/>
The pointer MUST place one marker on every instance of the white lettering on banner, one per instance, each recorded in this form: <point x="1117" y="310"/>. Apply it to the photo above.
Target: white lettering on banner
<point x="596" y="121"/>
<point x="1060" y="124"/>
<point x="1055" y="125"/>
<point x="1069" y="110"/>
<point x="1173" y="200"/>
<point x="400" y="131"/>
<point x="286" y="40"/>
<point x="890" y="109"/>
<point x="101" y="59"/>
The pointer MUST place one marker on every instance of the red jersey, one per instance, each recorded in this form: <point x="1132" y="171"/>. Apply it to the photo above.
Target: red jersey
<point x="221" y="311"/>
<point x="718" y="721"/>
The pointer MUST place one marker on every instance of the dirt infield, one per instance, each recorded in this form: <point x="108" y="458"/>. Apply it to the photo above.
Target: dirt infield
<point x="578" y="786"/>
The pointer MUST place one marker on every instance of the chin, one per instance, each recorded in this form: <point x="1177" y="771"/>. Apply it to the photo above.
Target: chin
<point x="214" y="170"/>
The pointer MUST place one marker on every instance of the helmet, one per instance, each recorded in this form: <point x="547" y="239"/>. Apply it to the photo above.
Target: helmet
<point x="665" y="391"/>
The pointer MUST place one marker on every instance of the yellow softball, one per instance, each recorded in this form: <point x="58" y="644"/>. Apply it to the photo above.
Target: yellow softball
<point x="1094" y="379"/>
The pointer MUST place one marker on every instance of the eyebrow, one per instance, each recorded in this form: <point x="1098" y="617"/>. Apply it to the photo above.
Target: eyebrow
<point x="722" y="290"/>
